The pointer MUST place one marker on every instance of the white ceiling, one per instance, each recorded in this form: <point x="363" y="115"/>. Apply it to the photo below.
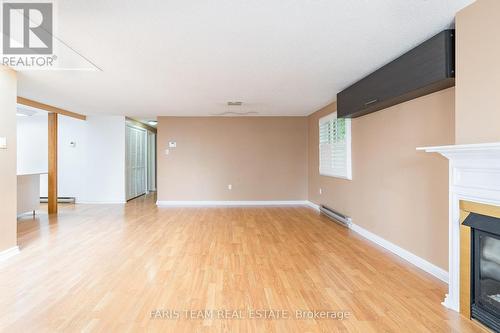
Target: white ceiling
<point x="189" y="57"/>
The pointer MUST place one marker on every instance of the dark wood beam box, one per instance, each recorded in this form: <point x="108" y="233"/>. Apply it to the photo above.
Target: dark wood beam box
<point x="427" y="68"/>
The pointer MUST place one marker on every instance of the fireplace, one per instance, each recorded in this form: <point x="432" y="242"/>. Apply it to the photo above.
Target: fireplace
<point x="485" y="269"/>
<point x="474" y="183"/>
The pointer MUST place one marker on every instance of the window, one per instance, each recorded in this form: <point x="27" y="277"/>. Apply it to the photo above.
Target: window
<point x="335" y="147"/>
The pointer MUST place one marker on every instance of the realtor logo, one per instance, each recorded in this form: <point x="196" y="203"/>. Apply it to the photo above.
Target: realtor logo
<point x="27" y="28"/>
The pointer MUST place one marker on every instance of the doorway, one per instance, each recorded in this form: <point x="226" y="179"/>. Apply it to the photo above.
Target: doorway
<point x="140" y="154"/>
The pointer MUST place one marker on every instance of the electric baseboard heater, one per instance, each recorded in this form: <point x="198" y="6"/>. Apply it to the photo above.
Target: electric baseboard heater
<point x="59" y="200"/>
<point x="336" y="216"/>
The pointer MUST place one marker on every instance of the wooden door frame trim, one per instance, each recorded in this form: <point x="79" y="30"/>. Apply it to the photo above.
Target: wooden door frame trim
<point x="52" y="185"/>
<point x="49" y="108"/>
<point x="141" y="125"/>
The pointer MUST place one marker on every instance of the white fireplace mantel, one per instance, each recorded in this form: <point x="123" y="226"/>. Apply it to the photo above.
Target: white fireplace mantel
<point x="474" y="176"/>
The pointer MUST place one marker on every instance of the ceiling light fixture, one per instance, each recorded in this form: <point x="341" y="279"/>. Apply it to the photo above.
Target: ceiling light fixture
<point x="152" y="122"/>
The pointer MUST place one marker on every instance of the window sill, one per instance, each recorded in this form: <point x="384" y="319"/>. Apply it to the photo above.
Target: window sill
<point x="335" y="176"/>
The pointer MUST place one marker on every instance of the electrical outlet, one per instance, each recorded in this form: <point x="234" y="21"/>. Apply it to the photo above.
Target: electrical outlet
<point x="167" y="151"/>
<point x="229" y="187"/>
<point x="320" y="191"/>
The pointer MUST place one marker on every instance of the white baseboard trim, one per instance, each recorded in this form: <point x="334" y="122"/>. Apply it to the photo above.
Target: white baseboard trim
<point x="176" y="203"/>
<point x="100" y="202"/>
<point x="6" y="254"/>
<point x="313" y="205"/>
<point x="423" y="264"/>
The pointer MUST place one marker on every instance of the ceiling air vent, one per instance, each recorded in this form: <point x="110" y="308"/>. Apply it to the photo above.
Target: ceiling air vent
<point x="233" y="113"/>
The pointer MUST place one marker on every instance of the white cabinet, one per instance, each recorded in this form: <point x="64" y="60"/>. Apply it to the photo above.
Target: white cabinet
<point x="28" y="193"/>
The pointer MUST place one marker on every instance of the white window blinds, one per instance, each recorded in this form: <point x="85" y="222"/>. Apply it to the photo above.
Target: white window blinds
<point x="335" y="147"/>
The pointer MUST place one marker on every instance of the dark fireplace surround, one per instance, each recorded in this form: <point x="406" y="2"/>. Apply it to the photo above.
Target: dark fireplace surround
<point x="485" y="269"/>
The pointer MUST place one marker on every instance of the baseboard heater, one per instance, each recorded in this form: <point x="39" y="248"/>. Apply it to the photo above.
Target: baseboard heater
<point x="336" y="216"/>
<point x="59" y="200"/>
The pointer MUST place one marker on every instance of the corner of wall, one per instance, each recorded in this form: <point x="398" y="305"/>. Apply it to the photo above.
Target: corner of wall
<point x="8" y="163"/>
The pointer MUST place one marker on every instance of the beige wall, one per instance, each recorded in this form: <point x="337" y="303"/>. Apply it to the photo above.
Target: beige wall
<point x="264" y="158"/>
<point x="478" y="73"/>
<point x="8" y="179"/>
<point x="396" y="192"/>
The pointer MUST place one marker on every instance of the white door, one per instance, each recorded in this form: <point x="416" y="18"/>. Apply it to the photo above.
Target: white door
<point x="136" y="151"/>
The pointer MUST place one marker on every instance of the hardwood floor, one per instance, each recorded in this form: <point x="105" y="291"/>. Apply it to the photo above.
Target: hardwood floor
<point x="105" y="268"/>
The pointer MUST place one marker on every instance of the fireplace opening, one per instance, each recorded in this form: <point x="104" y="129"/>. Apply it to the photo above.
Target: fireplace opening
<point x="485" y="269"/>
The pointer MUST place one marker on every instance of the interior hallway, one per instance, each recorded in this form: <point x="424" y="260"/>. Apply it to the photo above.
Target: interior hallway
<point x="106" y="267"/>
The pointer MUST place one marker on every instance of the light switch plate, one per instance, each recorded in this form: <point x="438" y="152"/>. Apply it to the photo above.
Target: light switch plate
<point x="3" y="143"/>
